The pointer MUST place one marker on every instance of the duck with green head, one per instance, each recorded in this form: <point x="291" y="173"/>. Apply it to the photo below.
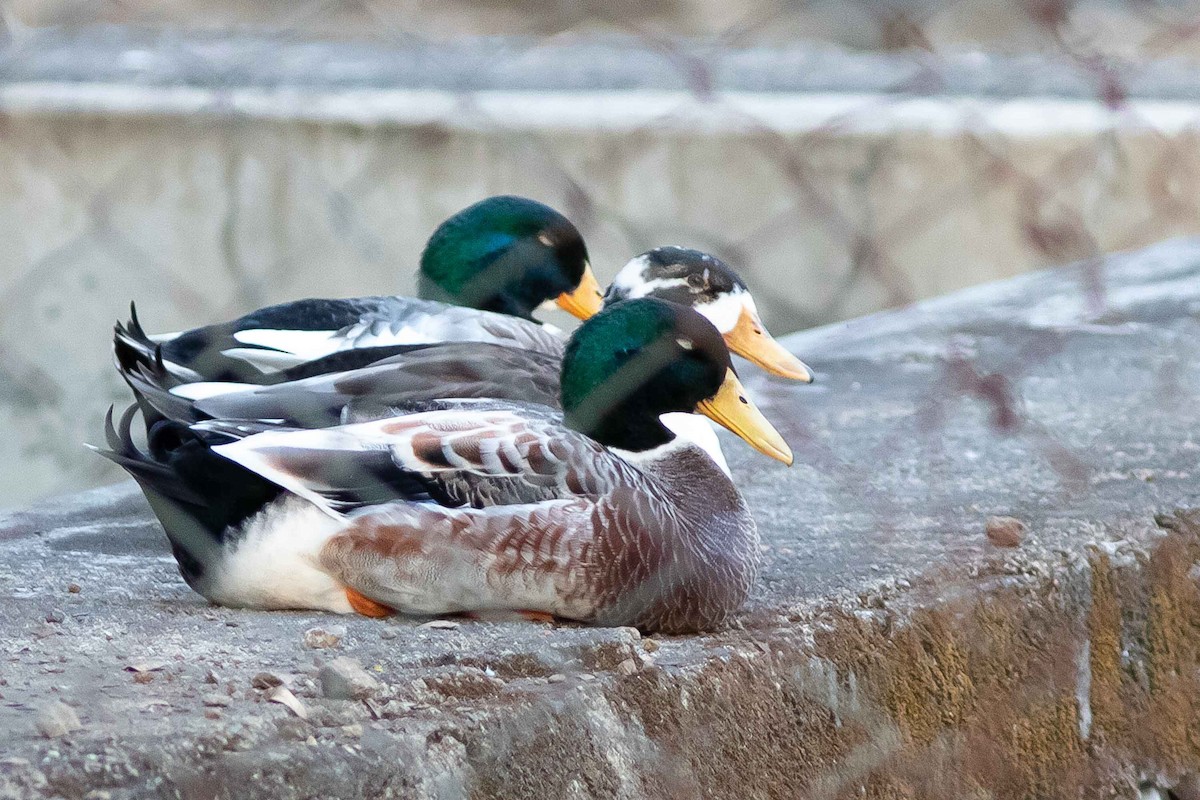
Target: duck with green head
<point x="598" y="513"/>
<point x="328" y="392"/>
<point x="482" y="275"/>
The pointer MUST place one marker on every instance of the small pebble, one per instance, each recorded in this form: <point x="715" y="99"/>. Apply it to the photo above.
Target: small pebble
<point x="56" y="616"/>
<point x="74" y="588"/>
<point x="627" y="667"/>
<point x="284" y="697"/>
<point x="345" y="679"/>
<point x="212" y="677"/>
<point x="354" y="729"/>
<point x="57" y="719"/>
<point x="323" y="639"/>
<point x="439" y="625"/>
<point x="143" y="677"/>
<point x="216" y="700"/>
<point x="1005" y="531"/>
<point x="388" y="633"/>
<point x="293" y="729"/>
<point x="265" y="680"/>
<point x="212" y="713"/>
<point x="650" y="645"/>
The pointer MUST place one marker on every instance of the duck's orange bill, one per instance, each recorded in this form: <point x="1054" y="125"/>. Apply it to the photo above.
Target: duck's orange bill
<point x="586" y="299"/>
<point x="750" y="340"/>
<point x="731" y="407"/>
<point x="366" y="606"/>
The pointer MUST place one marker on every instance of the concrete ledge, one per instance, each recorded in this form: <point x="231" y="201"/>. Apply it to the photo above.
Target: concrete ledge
<point x="892" y="649"/>
<point x="580" y="83"/>
<point x="567" y="63"/>
<point x="608" y="112"/>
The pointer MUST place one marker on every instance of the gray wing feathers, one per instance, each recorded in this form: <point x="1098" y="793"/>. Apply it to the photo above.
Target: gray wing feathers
<point x="463" y="455"/>
<point x="405" y="320"/>
<point x="459" y="370"/>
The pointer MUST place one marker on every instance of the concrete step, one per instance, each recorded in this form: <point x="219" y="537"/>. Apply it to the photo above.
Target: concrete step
<point x="891" y="649"/>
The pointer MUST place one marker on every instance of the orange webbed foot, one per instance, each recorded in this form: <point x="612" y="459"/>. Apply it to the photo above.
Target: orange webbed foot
<point x="366" y="606"/>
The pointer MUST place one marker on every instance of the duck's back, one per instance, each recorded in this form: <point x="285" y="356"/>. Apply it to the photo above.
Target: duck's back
<point x="260" y="345"/>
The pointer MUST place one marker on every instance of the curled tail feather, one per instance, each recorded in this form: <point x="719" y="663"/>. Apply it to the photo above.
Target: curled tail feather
<point x="133" y="349"/>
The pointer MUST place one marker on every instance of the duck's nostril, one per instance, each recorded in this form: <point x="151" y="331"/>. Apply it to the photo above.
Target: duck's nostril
<point x="743" y="399"/>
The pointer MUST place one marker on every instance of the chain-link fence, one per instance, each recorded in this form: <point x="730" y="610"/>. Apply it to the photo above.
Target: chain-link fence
<point x="207" y="158"/>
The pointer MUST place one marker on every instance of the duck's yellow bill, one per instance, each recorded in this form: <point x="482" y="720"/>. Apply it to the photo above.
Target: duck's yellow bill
<point x="731" y="407"/>
<point x="750" y="340"/>
<point x="587" y="298"/>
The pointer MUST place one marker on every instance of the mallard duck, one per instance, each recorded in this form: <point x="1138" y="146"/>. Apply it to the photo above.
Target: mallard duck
<point x="420" y="378"/>
<point x="404" y="373"/>
<point x="310" y="396"/>
<point x="681" y="275"/>
<point x="505" y="255"/>
<point x="599" y="513"/>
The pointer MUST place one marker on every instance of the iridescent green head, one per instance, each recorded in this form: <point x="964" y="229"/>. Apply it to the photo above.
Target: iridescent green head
<point x="510" y="255"/>
<point x="637" y="360"/>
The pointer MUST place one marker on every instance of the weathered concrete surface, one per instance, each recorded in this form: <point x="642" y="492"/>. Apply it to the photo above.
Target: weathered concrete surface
<point x="890" y="650"/>
<point x="193" y="174"/>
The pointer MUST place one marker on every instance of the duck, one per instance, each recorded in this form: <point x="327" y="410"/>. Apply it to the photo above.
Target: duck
<point x="423" y="377"/>
<point x="311" y="396"/>
<point x="712" y="287"/>
<point x="482" y="275"/>
<point x="678" y="274"/>
<point x="596" y="512"/>
<point x="448" y="368"/>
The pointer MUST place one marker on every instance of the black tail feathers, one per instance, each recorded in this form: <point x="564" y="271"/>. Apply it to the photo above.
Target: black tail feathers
<point x="131" y="346"/>
<point x="134" y="351"/>
<point x="150" y="468"/>
<point x="189" y="486"/>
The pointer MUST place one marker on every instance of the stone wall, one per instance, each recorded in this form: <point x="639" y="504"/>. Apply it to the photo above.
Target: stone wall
<point x="200" y="180"/>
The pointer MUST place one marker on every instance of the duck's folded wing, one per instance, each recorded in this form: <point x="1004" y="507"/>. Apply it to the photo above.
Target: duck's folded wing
<point x="405" y="320"/>
<point x="459" y="457"/>
<point x="423" y="558"/>
<point x="283" y="337"/>
<point x="459" y="370"/>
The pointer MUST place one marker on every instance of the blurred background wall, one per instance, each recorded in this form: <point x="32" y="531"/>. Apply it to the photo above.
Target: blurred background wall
<point x="206" y="158"/>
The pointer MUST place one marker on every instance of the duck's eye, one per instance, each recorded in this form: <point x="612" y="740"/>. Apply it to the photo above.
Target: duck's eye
<point x="696" y="281"/>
